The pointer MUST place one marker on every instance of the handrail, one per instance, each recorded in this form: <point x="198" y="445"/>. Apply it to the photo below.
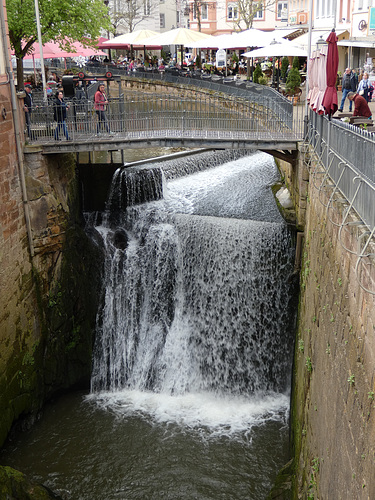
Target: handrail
<point x="346" y="156"/>
<point x="266" y="116"/>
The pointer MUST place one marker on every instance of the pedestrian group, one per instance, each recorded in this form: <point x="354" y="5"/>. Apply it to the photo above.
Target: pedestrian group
<point x="360" y="94"/>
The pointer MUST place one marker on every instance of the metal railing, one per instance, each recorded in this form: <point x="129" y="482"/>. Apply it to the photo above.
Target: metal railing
<point x="344" y="155"/>
<point x="229" y="111"/>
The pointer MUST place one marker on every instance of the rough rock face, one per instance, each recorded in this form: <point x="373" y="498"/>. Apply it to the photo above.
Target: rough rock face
<point x="15" y="486"/>
<point x="333" y="409"/>
<point x="48" y="302"/>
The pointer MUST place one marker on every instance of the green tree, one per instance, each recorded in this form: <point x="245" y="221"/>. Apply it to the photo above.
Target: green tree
<point x="293" y="81"/>
<point x="258" y="73"/>
<point x="80" y="20"/>
<point x="295" y="63"/>
<point x="284" y="67"/>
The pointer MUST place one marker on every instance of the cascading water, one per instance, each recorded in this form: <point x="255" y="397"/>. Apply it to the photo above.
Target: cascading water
<point x="197" y="293"/>
<point x="193" y="348"/>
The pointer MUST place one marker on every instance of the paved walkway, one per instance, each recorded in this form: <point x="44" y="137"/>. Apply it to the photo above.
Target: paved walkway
<point x="346" y="104"/>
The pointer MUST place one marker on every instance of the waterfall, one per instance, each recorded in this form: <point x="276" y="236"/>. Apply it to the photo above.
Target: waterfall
<point x="197" y="295"/>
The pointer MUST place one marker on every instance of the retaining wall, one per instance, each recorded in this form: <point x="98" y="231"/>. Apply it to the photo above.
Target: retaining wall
<point x="333" y="407"/>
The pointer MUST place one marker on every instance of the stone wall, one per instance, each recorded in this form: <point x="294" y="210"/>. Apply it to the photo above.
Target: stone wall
<point x="17" y="299"/>
<point x="48" y="301"/>
<point x="333" y="408"/>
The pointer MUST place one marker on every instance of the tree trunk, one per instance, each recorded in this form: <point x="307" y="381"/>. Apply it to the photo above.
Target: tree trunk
<point x="20" y="80"/>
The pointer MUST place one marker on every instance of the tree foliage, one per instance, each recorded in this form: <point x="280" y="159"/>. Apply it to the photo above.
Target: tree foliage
<point x="295" y="63"/>
<point x="248" y="9"/>
<point x="80" y="20"/>
<point x="257" y="73"/>
<point x="284" y="67"/>
<point x="293" y="80"/>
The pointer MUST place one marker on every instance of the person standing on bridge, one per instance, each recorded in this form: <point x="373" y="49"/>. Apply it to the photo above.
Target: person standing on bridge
<point x="100" y="103"/>
<point x="59" y="115"/>
<point x="28" y="107"/>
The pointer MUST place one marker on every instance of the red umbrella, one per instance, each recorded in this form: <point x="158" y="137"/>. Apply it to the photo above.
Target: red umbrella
<point x="330" y="96"/>
<point x="52" y="50"/>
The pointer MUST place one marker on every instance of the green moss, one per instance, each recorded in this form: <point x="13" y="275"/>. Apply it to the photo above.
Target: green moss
<point x="15" y="485"/>
<point x="282" y="489"/>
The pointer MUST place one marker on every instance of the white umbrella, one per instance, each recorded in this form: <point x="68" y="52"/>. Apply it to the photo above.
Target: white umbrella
<point x="254" y="38"/>
<point x="132" y="38"/>
<point x="179" y="36"/>
<point x="213" y="42"/>
<point x="277" y="49"/>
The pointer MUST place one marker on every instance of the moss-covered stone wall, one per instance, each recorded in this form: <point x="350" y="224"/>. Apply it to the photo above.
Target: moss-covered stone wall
<point x="49" y="302"/>
<point x="333" y="404"/>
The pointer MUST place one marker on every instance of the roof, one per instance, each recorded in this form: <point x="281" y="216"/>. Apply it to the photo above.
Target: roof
<point x="370" y="43"/>
<point x="303" y="40"/>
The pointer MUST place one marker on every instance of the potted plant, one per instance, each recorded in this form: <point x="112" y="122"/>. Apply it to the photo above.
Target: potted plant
<point x="284" y="68"/>
<point x="258" y="73"/>
<point x="293" y="83"/>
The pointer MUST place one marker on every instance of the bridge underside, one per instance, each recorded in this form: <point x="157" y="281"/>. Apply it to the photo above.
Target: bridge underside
<point x="284" y="147"/>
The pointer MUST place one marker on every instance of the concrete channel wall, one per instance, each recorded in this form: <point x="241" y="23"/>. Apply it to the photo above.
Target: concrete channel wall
<point x="333" y="402"/>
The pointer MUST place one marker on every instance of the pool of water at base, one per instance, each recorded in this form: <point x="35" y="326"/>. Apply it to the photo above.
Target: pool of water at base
<point x="86" y="450"/>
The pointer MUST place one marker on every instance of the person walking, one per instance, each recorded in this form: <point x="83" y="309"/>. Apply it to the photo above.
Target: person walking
<point x="100" y="103"/>
<point x="28" y="108"/>
<point x="59" y="115"/>
<point x="348" y="85"/>
<point x="361" y="108"/>
<point x="365" y="88"/>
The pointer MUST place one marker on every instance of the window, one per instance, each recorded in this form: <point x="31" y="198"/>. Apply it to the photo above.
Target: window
<point x="147" y="7"/>
<point x="282" y="7"/>
<point x="232" y="11"/>
<point x="204" y="11"/>
<point x="162" y="20"/>
<point x="259" y="13"/>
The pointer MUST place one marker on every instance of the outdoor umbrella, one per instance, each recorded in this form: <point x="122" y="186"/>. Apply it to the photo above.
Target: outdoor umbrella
<point x="330" y="103"/>
<point x="312" y="75"/>
<point x="138" y="37"/>
<point x="254" y="38"/>
<point x="319" y="80"/>
<point x="52" y="50"/>
<point x="179" y="36"/>
<point x="132" y="38"/>
<point x="277" y="49"/>
<point x="214" y="42"/>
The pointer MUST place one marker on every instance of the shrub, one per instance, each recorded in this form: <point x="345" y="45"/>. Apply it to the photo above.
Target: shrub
<point x="257" y="73"/>
<point x="284" y="67"/>
<point x="293" y="81"/>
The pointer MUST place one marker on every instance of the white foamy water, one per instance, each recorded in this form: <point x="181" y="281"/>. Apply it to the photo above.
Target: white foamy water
<point x="194" y="325"/>
<point x="214" y="416"/>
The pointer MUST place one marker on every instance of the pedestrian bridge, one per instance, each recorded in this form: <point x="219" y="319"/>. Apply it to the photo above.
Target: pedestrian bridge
<point x="189" y="114"/>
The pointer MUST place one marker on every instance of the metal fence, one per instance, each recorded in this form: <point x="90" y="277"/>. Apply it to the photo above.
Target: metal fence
<point x="254" y="112"/>
<point x="347" y="154"/>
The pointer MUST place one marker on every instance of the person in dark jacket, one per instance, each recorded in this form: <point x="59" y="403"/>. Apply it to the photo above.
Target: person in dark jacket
<point x="28" y="107"/>
<point x="59" y="115"/>
<point x="361" y="108"/>
<point x="349" y="84"/>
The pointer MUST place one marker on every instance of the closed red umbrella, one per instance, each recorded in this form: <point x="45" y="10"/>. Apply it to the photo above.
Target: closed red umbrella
<point x="330" y="96"/>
